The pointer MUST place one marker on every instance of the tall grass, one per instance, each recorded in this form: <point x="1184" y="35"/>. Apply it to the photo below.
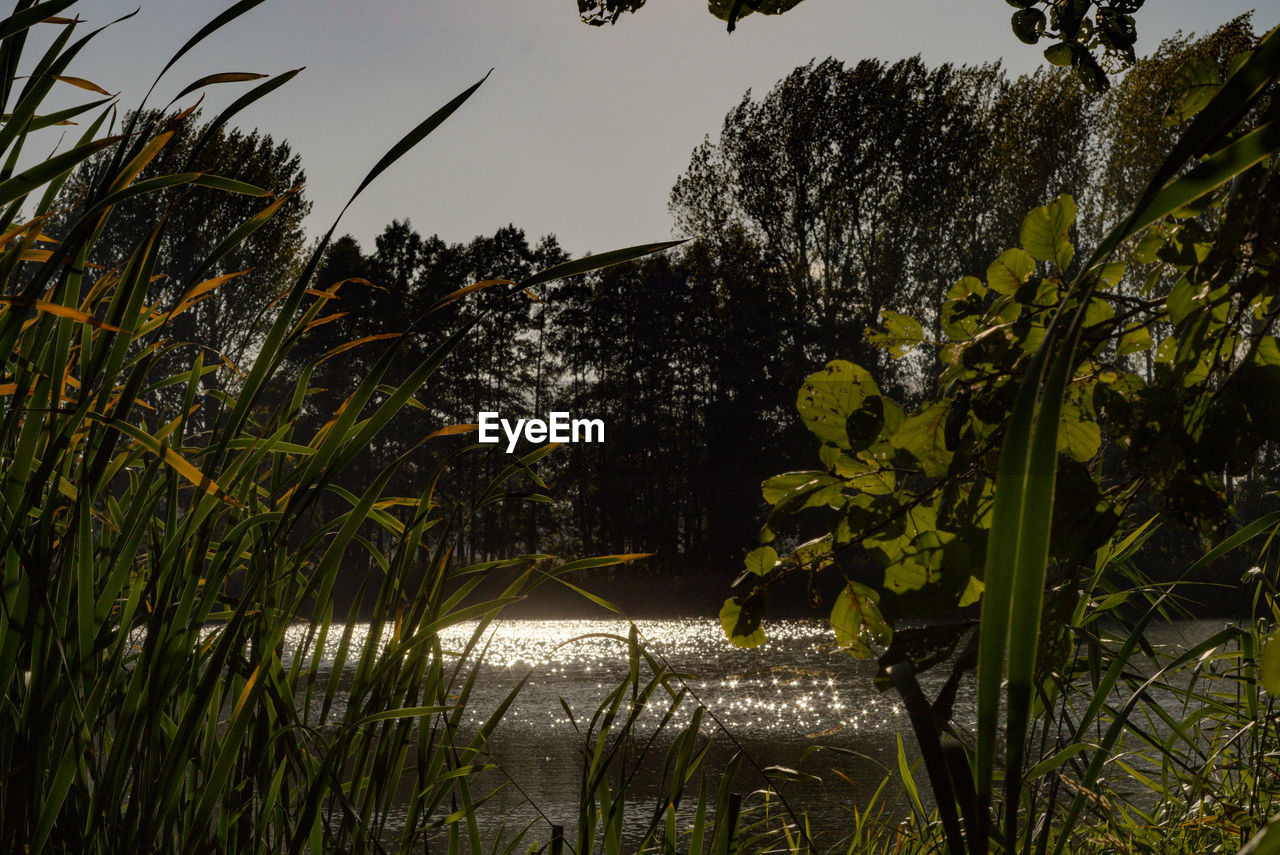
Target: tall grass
<point x="170" y="668"/>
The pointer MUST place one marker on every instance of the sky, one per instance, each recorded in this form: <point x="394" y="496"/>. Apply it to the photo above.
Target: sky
<point x="579" y="131"/>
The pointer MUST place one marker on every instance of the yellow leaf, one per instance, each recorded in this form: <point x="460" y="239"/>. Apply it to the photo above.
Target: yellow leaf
<point x="17" y="230"/>
<point x="342" y="348"/>
<point x="225" y="77"/>
<point x="453" y="430"/>
<point x="478" y="286"/>
<point x="244" y="694"/>
<point x="61" y="311"/>
<point x="326" y="319"/>
<point x="197" y="291"/>
<point x="171" y="458"/>
<point x="83" y="84"/>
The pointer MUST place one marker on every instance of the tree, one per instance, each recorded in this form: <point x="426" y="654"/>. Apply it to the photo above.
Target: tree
<point x="875" y="187"/>
<point x="993" y="489"/>
<point x="222" y="320"/>
<point x="501" y="365"/>
<point x="1143" y="115"/>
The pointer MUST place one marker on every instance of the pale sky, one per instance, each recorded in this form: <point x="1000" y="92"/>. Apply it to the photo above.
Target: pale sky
<point x="580" y="131"/>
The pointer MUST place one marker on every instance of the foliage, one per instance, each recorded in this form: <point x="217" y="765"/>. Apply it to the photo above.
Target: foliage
<point x="1093" y="37"/>
<point x="617" y="743"/>
<point x="1000" y="470"/>
<point x="874" y="187"/>
<point x="220" y="320"/>
<point x="502" y="364"/>
<point x="698" y="353"/>
<point x="170" y="662"/>
<point x="1146" y="119"/>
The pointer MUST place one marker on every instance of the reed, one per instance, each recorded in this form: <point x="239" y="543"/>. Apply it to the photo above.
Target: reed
<point x="172" y="673"/>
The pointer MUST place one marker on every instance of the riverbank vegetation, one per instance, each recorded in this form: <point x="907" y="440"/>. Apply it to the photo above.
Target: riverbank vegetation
<point x="162" y="527"/>
<point x="225" y="445"/>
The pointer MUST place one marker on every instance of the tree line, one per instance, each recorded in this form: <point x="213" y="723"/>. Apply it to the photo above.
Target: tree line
<point x="830" y="215"/>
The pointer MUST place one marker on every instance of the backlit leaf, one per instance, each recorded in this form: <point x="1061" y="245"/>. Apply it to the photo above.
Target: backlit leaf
<point x="741" y="621"/>
<point x="761" y="561"/>
<point x="899" y="335"/>
<point x="828" y="397"/>
<point x="814" y="487"/>
<point x="83" y="84"/>
<point x="1135" y="340"/>
<point x="1080" y="440"/>
<point x="1009" y="271"/>
<point x="1194" y="84"/>
<point x="857" y="621"/>
<point x="922" y="436"/>
<point x="972" y="592"/>
<point x="1046" y="232"/>
<point x="224" y="77"/>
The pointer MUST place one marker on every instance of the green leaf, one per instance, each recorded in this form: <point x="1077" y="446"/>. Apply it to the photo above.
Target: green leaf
<point x="48" y="169"/>
<point x="1151" y="242"/>
<point x="907" y="575"/>
<point x="814" y="554"/>
<point x="1268" y="351"/>
<point x="868" y="423"/>
<point x="1016" y="564"/>
<point x="966" y="286"/>
<point x="1009" y="271"/>
<point x="1266" y="841"/>
<point x="815" y="488"/>
<point x="922" y="436"/>
<point x="830" y="396"/>
<point x="1046" y="232"/>
<point x="1194" y="84"/>
<point x="900" y="335"/>
<point x="1028" y="24"/>
<point x="1080" y="440"/>
<point x="761" y="561"/>
<point x="405" y="712"/>
<point x="867" y="477"/>
<point x="741" y="622"/>
<point x="1058" y="54"/>
<point x="857" y="621"/>
<point x="972" y="592"/>
<point x="1136" y="338"/>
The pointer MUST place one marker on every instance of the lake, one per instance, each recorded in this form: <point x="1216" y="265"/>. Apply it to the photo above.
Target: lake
<point x="795" y="694"/>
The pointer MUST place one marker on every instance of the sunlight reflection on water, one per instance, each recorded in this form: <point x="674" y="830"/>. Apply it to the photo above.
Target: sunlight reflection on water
<point x="797" y="683"/>
<point x="777" y="703"/>
<point x="796" y="692"/>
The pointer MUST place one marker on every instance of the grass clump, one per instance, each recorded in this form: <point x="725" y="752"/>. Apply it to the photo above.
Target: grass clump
<point x="170" y="660"/>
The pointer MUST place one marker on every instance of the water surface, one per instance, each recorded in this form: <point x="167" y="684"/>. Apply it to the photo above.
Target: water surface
<point x="796" y="702"/>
